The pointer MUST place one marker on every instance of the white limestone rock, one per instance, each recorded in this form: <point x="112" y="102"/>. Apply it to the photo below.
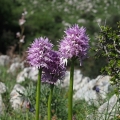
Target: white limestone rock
<point x="16" y="59"/>
<point x="2" y="88"/>
<point x="87" y="93"/>
<point x="77" y="79"/>
<point x="2" y="106"/>
<point x="4" y="60"/>
<point x="84" y="81"/>
<point x="109" y="106"/>
<point x="107" y="110"/>
<point x="14" y="67"/>
<point x="91" y="97"/>
<point x="92" y="90"/>
<point x="33" y="74"/>
<point x="15" y="92"/>
<point x="17" y="101"/>
<point x="28" y="72"/>
<point x="103" y="83"/>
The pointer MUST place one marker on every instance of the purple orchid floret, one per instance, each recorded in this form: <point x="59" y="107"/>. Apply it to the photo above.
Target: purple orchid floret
<point x="56" y="69"/>
<point x="75" y="43"/>
<point x="39" y="53"/>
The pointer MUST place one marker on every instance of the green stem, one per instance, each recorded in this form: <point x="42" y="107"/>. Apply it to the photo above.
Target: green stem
<point x="70" y="97"/>
<point x="38" y="94"/>
<point x="27" y="116"/>
<point x="20" y="44"/>
<point x="49" y="101"/>
<point x="22" y="30"/>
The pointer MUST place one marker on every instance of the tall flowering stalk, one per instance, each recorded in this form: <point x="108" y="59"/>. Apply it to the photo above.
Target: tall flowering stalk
<point x="74" y="46"/>
<point x="39" y="57"/>
<point x="55" y="71"/>
<point x="20" y="34"/>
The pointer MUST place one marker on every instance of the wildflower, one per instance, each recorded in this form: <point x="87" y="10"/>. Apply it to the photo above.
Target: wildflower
<point x="56" y="69"/>
<point x="18" y="34"/>
<point x="22" y="39"/>
<point x="21" y="21"/>
<point x="39" y="53"/>
<point x="39" y="56"/>
<point x="24" y="13"/>
<point x="75" y="43"/>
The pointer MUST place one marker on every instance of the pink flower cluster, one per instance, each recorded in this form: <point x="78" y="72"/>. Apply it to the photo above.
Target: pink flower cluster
<point x="56" y="69"/>
<point x="75" y="43"/>
<point x="41" y="55"/>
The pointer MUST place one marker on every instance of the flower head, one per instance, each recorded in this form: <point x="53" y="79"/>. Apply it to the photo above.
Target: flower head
<point x="22" y="39"/>
<point x="56" y="69"/>
<point x="39" y="53"/>
<point x="75" y="43"/>
<point x="18" y="34"/>
<point x="21" y="21"/>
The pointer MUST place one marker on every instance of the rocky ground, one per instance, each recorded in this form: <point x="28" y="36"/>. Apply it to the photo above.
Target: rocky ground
<point x="91" y="90"/>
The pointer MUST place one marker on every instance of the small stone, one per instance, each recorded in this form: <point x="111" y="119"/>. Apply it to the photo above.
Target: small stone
<point x="4" y="60"/>
<point x="2" y="88"/>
